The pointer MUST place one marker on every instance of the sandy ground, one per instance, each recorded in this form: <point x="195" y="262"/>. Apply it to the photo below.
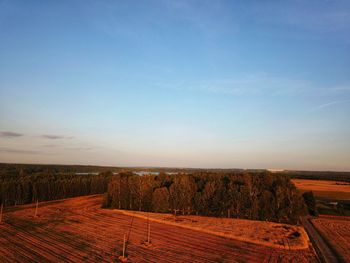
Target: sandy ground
<point x="257" y="232"/>
<point x="324" y="189"/>
<point x="78" y="230"/>
<point x="336" y="231"/>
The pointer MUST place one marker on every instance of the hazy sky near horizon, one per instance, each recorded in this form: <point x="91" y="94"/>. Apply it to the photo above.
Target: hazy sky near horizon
<point x="245" y="84"/>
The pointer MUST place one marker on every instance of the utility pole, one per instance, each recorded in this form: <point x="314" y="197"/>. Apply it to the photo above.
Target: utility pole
<point x="147" y="242"/>
<point x="122" y="258"/>
<point x="124" y="247"/>
<point x="149" y="231"/>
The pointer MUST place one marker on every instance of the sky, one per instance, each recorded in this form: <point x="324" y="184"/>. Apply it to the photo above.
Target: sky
<point x="212" y="84"/>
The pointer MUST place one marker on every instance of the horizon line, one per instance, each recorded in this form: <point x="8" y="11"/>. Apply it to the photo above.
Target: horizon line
<point x="183" y="168"/>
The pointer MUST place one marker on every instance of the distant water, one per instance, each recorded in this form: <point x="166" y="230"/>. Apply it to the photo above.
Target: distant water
<point x="92" y="173"/>
<point x="140" y="173"/>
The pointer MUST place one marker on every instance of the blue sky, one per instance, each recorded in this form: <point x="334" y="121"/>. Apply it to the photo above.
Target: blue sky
<point x="246" y="84"/>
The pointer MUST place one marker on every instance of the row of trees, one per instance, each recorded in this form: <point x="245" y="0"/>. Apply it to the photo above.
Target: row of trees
<point x="260" y="196"/>
<point x="23" y="188"/>
<point x="7" y="169"/>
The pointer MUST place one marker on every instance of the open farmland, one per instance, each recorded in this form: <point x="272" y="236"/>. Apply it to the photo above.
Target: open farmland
<point x="324" y="189"/>
<point x="257" y="232"/>
<point x="336" y="231"/>
<point x="78" y="230"/>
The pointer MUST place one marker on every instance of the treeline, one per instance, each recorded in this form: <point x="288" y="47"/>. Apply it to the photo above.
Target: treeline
<point x="7" y="169"/>
<point x="23" y="188"/>
<point x="259" y="196"/>
<point x="13" y="169"/>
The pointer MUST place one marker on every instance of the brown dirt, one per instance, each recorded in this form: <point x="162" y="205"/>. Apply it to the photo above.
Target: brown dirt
<point x="324" y="189"/>
<point x="336" y="231"/>
<point x="257" y="232"/>
<point x="78" y="230"/>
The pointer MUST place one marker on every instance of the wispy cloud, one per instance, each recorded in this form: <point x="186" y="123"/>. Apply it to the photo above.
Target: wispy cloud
<point x="329" y="104"/>
<point x="208" y="18"/>
<point x="16" y="151"/>
<point x="211" y="18"/>
<point x="55" y="137"/>
<point x="342" y="88"/>
<point x="79" y="148"/>
<point x="8" y="134"/>
<point x="315" y="15"/>
<point x="68" y="148"/>
<point x="325" y="20"/>
<point x="249" y="84"/>
<point x="50" y="146"/>
<point x="257" y="84"/>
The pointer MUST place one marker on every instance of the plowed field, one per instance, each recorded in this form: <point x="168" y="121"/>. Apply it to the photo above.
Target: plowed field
<point x="336" y="231"/>
<point x="78" y="230"/>
<point x="324" y="189"/>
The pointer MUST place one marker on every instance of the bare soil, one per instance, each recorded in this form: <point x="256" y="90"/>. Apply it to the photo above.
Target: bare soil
<point x="79" y="230"/>
<point x="269" y="234"/>
<point x="336" y="231"/>
<point x="324" y="189"/>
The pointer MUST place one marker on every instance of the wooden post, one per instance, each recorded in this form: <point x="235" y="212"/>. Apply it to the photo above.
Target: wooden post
<point x="123" y="257"/>
<point x="2" y="208"/>
<point x="149" y="233"/>
<point x="228" y="213"/>
<point x="124" y="246"/>
<point x="36" y="208"/>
